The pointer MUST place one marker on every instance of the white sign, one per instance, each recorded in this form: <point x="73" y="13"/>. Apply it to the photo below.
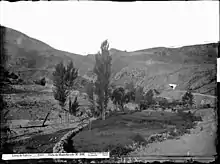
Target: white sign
<point x="55" y="156"/>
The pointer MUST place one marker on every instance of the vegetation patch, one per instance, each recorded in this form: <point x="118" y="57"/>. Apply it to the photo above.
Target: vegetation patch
<point x="115" y="134"/>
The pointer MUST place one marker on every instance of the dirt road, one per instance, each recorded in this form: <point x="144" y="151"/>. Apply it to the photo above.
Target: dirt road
<point x="200" y="142"/>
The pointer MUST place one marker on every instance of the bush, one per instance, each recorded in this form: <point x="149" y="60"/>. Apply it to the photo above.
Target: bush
<point x="73" y="106"/>
<point x="188" y="99"/>
<point x="13" y="75"/>
<point x="90" y="90"/>
<point x="149" y="97"/>
<point x="205" y="106"/>
<point x="144" y="105"/>
<point x="42" y="81"/>
<point x="129" y="96"/>
<point x="163" y="102"/>
<point x="118" y="97"/>
<point x="174" y="103"/>
<point x="118" y="150"/>
<point x="140" y="140"/>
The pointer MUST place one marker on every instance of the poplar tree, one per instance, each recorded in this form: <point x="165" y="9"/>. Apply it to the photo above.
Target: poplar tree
<point x="102" y="69"/>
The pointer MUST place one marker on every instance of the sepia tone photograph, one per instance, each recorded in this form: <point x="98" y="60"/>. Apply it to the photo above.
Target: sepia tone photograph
<point x="135" y="79"/>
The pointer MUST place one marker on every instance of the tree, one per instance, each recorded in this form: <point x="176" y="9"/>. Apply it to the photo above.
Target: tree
<point x="129" y="96"/>
<point x="139" y="95"/>
<point x="63" y="80"/>
<point x="102" y="69"/>
<point x="73" y="106"/>
<point x="163" y="102"/>
<point x="118" y="97"/>
<point x="149" y="97"/>
<point x="129" y="92"/>
<point x="93" y="110"/>
<point x="188" y="98"/>
<point x="90" y="90"/>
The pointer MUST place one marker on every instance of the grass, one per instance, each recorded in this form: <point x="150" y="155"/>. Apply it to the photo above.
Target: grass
<point x="38" y="143"/>
<point x="115" y="134"/>
<point x="28" y="107"/>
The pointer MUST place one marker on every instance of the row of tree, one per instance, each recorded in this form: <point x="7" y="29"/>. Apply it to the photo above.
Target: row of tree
<point x="64" y="78"/>
<point x="122" y="95"/>
<point x="101" y="90"/>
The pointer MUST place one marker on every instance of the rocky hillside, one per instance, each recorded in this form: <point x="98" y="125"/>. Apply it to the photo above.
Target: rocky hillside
<point x="189" y="66"/>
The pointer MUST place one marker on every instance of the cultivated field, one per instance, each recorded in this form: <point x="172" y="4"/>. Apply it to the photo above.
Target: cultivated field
<point x="148" y="132"/>
<point x="28" y="108"/>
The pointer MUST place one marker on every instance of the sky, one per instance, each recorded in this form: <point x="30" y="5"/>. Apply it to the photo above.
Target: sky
<point x="81" y="27"/>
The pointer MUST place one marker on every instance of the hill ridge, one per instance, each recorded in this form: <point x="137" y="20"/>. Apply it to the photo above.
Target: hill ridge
<point x="161" y="65"/>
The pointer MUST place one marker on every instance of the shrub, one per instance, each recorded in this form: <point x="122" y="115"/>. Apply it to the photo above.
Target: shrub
<point x="144" y="105"/>
<point x="129" y="96"/>
<point x="206" y="106"/>
<point x="118" y="150"/>
<point x="163" y="102"/>
<point x="13" y="75"/>
<point x="118" y="97"/>
<point x="188" y="98"/>
<point x="174" y="103"/>
<point x="42" y="81"/>
<point x="90" y="90"/>
<point x="140" y="140"/>
<point x="149" y="97"/>
<point x="129" y="92"/>
<point x="73" y="106"/>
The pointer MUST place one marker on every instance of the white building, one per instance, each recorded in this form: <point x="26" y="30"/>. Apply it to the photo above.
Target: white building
<point x="173" y="86"/>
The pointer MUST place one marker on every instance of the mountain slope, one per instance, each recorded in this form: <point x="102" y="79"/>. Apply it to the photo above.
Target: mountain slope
<point x="33" y="59"/>
<point x="154" y="68"/>
<point x="189" y="66"/>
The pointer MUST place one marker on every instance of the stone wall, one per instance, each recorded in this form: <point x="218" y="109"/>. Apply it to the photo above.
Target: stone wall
<point x="62" y="145"/>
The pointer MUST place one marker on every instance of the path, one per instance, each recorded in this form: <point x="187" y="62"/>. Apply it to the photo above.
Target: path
<point x="197" y="143"/>
<point x="199" y="94"/>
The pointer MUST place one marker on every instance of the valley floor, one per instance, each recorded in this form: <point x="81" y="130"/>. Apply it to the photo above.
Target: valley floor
<point x="200" y="143"/>
<point x="27" y="107"/>
<point x="197" y="143"/>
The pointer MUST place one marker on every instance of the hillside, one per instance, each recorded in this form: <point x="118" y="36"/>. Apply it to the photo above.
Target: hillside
<point x="32" y="59"/>
<point x="189" y="66"/>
